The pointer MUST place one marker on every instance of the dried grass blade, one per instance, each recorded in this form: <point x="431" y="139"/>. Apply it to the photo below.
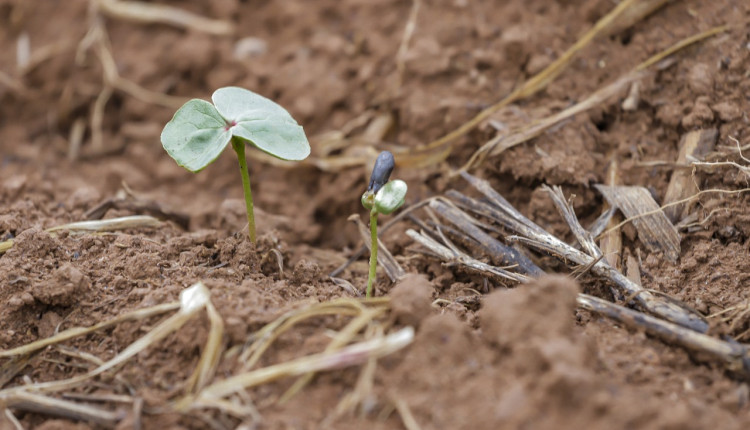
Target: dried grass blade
<point x="694" y="145"/>
<point x="509" y="256"/>
<point x="211" y="352"/>
<point x="342" y="338"/>
<point x="537" y="238"/>
<point x="12" y="367"/>
<point x="654" y="228"/>
<point x="465" y="260"/>
<point x="349" y="356"/>
<point x="47" y="405"/>
<point x="502" y="142"/>
<point x="192" y="300"/>
<point x="134" y="221"/>
<point x="5" y="246"/>
<point x="156" y="13"/>
<point x="610" y="243"/>
<point x="79" y="331"/>
<point x="530" y="87"/>
<point x="264" y="337"/>
<point x="583" y="237"/>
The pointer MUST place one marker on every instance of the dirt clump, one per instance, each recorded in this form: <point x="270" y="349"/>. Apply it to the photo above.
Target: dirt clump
<point x="410" y="299"/>
<point x="529" y="367"/>
<point x="67" y="287"/>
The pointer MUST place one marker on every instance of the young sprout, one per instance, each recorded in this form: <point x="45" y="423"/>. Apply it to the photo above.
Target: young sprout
<point x="381" y="197"/>
<point x="199" y="132"/>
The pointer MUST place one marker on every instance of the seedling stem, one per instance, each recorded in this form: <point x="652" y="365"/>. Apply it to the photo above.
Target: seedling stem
<point x="381" y="197"/>
<point x="239" y="147"/>
<point x="373" y="251"/>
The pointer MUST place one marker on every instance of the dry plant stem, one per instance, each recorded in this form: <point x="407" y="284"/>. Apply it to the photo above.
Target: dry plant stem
<point x="138" y="205"/>
<point x="170" y="325"/>
<point x="509" y="256"/>
<point x="33" y="402"/>
<point x="75" y="138"/>
<point x="359" y="394"/>
<point x="682" y="44"/>
<point x="531" y="235"/>
<point x="349" y="356"/>
<point x="363" y="390"/>
<point x="678" y="202"/>
<point x="611" y="244"/>
<point x="404" y="412"/>
<point x="735" y="355"/>
<point x="79" y="331"/>
<point x="341" y="339"/>
<point x="732" y="353"/>
<point x="403" y="48"/>
<point x="192" y="300"/>
<point x="134" y="221"/>
<point x="97" y="39"/>
<point x="655" y="231"/>
<point x="373" y="252"/>
<point x="502" y="142"/>
<point x="452" y="256"/>
<point x="239" y="147"/>
<point x="537" y="82"/>
<point x="209" y="360"/>
<point x="694" y="145"/>
<point x="664" y="308"/>
<point x="97" y="118"/>
<point x="10" y="368"/>
<point x="264" y="337"/>
<point x="156" y="13"/>
<point x="13" y="420"/>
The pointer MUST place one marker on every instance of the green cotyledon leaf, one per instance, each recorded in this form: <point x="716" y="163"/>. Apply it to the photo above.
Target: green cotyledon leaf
<point x="390" y="197"/>
<point x="196" y="135"/>
<point x="262" y="122"/>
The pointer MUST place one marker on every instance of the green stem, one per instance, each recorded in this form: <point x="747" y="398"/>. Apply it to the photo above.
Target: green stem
<point x="239" y="147"/>
<point x="373" y="251"/>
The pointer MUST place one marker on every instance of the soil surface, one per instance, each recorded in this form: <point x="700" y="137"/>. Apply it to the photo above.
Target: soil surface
<point x="486" y="354"/>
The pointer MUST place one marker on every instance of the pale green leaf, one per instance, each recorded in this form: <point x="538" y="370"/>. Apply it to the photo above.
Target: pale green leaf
<point x="196" y="135"/>
<point x="275" y="136"/>
<point x="262" y="122"/>
<point x="390" y="197"/>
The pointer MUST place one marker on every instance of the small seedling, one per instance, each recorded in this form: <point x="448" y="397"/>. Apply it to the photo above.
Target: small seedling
<point x="381" y="197"/>
<point x="199" y="132"/>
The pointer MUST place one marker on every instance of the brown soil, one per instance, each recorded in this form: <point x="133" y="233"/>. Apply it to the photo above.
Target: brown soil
<point x="511" y="358"/>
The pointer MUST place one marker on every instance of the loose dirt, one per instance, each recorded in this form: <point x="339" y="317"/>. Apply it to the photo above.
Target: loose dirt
<point x="485" y="354"/>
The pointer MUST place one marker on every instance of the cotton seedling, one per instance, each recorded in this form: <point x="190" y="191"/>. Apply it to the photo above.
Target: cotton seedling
<point x="199" y="132"/>
<point x="382" y="197"/>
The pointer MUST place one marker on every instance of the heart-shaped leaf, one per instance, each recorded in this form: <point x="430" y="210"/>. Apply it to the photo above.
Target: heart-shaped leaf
<point x="196" y="135"/>
<point x="390" y="197"/>
<point x="262" y="122"/>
